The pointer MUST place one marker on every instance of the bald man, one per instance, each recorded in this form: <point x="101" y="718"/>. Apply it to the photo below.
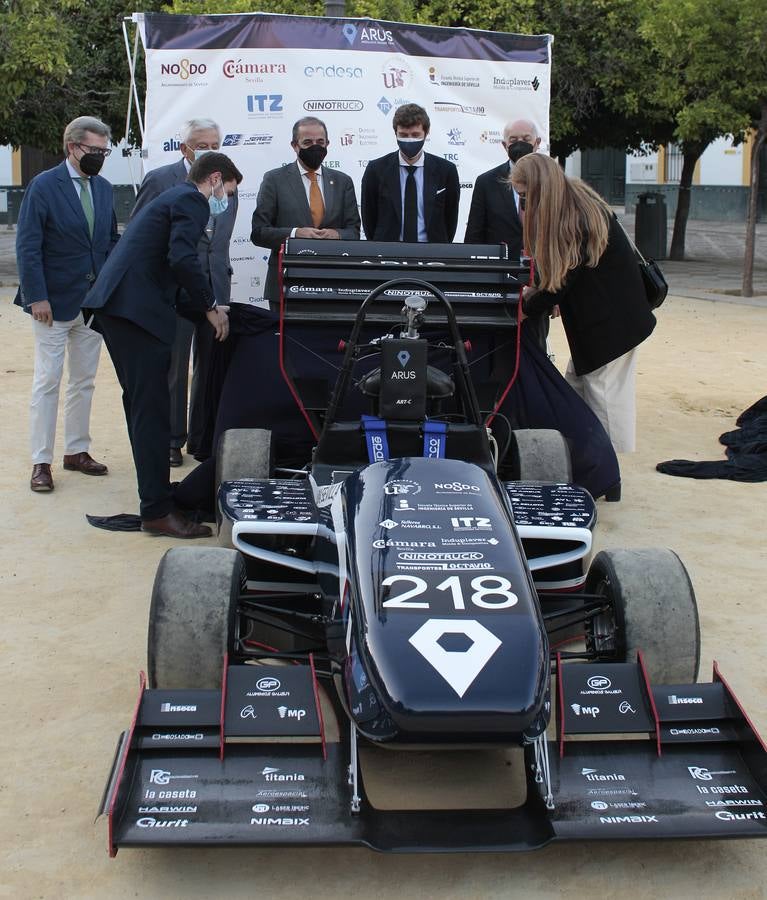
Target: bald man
<point x="494" y="215"/>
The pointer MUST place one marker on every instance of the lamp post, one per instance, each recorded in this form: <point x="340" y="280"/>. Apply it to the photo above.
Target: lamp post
<point x="335" y="8"/>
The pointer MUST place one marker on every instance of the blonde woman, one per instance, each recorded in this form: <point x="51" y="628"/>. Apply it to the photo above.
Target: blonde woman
<point x="586" y="266"/>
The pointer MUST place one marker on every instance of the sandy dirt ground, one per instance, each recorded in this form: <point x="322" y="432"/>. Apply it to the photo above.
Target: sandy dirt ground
<point x="74" y="613"/>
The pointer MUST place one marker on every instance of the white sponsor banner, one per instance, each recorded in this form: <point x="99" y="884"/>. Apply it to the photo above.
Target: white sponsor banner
<point x="257" y="74"/>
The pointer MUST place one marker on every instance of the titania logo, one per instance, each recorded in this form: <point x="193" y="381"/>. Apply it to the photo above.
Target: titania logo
<point x="271" y="773"/>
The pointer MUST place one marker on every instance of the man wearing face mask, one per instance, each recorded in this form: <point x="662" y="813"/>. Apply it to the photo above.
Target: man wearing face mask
<point x="494" y="216"/>
<point x="198" y="136"/>
<point x="66" y="228"/>
<point x="410" y="195"/>
<point x="303" y="200"/>
<point x="133" y="299"/>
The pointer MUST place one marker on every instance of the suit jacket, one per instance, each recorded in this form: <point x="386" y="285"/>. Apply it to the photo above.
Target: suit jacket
<point x="156" y="255"/>
<point x="604" y="309"/>
<point x="382" y="198"/>
<point x="493" y="216"/>
<point x="282" y="206"/>
<point x="56" y="255"/>
<point x="213" y="249"/>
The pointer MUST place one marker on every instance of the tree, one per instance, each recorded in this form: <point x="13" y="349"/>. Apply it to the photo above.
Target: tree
<point x="698" y="42"/>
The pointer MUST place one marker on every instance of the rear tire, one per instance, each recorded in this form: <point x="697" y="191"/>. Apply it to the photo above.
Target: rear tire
<point x="241" y="453"/>
<point x="541" y="454"/>
<point x="652" y="609"/>
<point x="192" y="619"/>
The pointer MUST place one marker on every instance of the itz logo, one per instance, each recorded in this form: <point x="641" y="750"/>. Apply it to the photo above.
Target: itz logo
<point x="261" y="103"/>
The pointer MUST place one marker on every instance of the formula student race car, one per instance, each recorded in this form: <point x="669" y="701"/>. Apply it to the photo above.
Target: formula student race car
<point x="396" y="600"/>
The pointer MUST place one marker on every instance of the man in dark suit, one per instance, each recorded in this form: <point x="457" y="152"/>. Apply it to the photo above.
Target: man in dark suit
<point x="198" y="136"/>
<point x="304" y="200"/>
<point x="66" y="228"/>
<point x="134" y="298"/>
<point x="410" y="195"/>
<point x="494" y="215"/>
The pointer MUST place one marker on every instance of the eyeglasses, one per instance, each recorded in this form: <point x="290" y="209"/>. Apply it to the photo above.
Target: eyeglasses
<point x="97" y="151"/>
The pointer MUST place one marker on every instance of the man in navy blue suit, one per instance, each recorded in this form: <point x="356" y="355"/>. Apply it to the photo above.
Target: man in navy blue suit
<point x="135" y="298"/>
<point x="66" y="228"/>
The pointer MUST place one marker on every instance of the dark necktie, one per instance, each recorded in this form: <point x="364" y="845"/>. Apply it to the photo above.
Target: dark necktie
<point x="410" y="221"/>
<point x="87" y="203"/>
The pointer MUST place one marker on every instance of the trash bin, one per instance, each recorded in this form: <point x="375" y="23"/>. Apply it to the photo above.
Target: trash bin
<point x="650" y="225"/>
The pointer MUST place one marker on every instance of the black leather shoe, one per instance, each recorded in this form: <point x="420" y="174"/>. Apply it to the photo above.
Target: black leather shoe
<point x="613" y="494"/>
<point x="176" y="526"/>
<point x="176" y="457"/>
<point x="41" y="480"/>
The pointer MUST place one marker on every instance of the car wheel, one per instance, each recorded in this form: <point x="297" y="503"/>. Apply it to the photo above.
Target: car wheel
<point x="652" y="608"/>
<point x="541" y="454"/>
<point x="193" y="616"/>
<point x="241" y="453"/>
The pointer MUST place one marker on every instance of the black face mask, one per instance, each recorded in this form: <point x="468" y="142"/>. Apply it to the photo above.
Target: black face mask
<point x="91" y="163"/>
<point x="519" y="149"/>
<point x="410" y="147"/>
<point x="312" y="156"/>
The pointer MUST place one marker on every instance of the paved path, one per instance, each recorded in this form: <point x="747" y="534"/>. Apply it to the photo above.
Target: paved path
<point x="712" y="271"/>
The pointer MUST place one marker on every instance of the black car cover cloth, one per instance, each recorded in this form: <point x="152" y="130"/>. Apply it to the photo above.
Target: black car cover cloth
<point x="746" y="451"/>
<point x="120" y="522"/>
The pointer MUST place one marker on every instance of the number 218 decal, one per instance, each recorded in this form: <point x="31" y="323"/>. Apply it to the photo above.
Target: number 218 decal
<point x="488" y="592"/>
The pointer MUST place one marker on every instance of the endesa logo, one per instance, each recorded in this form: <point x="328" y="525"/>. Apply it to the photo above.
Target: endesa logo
<point x="333" y="72"/>
<point x="183" y="69"/>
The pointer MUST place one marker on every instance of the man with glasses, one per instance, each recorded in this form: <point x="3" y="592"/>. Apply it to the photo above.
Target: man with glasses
<point x="304" y="200"/>
<point x="198" y="136"/>
<point x="66" y="228"/>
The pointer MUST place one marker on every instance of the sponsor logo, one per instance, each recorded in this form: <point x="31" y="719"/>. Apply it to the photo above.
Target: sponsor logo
<point x="247" y="140"/>
<point x="395" y="74"/>
<point x="516" y="84"/>
<point x="599" y="683"/>
<point x="347" y="139"/>
<point x="448" y="106"/>
<point x="177" y="736"/>
<point x="725" y="816"/>
<point x="264" y="105"/>
<point x="702" y="774"/>
<point x="333" y="71"/>
<point x="183" y="69"/>
<point x="174" y="708"/>
<point x="682" y="732"/>
<point x="628" y="820"/>
<point x="452" y="80"/>
<point x="388" y="524"/>
<point x="366" y="35"/>
<point x="151" y="822"/>
<point x="432" y="557"/>
<point x="162" y="776"/>
<point x="470" y="523"/>
<point x="491" y="137"/>
<point x="333" y="105"/>
<point x="456" y="487"/>
<point x="451" y="157"/>
<point x="306" y="289"/>
<point x="283" y="795"/>
<point x="736" y="801"/>
<point x="268" y="684"/>
<point x="381" y="544"/>
<point x="384" y="105"/>
<point x="455" y="137"/>
<point x="625" y="708"/>
<point x="286" y="713"/>
<point x="467" y="185"/>
<point x="165" y="810"/>
<point x="260" y="807"/>
<point x="674" y="700"/>
<point x="463" y="541"/>
<point x="234" y="67"/>
<point x="281" y="821"/>
<point x="172" y="144"/>
<point x="248" y="712"/>
<point x="458" y="668"/>
<point x="402" y="487"/>
<point x="579" y="710"/>
<point x="596" y="775"/>
<point x="599" y="804"/>
<point x="271" y="773"/>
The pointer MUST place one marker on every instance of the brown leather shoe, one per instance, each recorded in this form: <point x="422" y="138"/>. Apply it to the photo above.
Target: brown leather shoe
<point x="85" y="463"/>
<point x="41" y="479"/>
<point x="176" y="526"/>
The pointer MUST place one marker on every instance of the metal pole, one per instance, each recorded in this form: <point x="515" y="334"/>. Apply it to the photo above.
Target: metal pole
<point x="335" y="8"/>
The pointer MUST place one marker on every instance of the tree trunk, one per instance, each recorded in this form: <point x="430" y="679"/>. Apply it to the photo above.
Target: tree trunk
<point x="747" y="289"/>
<point x="692" y="153"/>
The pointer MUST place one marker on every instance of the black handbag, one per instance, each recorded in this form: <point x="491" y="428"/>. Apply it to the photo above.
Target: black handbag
<point x="653" y="279"/>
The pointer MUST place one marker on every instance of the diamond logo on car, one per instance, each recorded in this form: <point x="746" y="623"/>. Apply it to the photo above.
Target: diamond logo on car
<point x="459" y="668"/>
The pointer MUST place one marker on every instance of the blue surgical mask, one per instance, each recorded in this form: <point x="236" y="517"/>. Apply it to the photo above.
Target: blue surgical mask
<point x="199" y="153"/>
<point x="218" y="204"/>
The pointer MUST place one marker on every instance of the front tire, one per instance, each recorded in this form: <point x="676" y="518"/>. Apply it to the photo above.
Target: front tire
<point x="193" y="616"/>
<point x="652" y="608"/>
<point x="241" y="453"/>
<point x="541" y="454"/>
